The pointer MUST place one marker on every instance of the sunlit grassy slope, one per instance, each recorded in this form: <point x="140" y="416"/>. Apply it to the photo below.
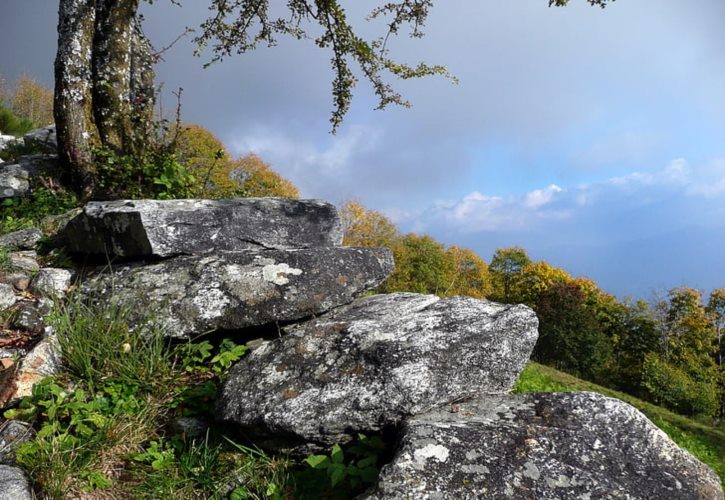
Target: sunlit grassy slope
<point x="702" y="440"/>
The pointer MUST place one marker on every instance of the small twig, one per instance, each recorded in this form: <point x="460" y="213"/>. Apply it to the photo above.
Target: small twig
<point x="157" y="55"/>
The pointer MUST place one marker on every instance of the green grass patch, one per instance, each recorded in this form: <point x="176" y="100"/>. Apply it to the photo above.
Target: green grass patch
<point x="39" y="209"/>
<point x="105" y="428"/>
<point x="704" y="441"/>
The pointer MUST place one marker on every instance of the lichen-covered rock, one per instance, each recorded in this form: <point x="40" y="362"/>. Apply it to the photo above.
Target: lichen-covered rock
<point x="15" y="177"/>
<point x="12" y="434"/>
<point x="31" y="315"/>
<point x="25" y="239"/>
<point x="51" y="282"/>
<point x="543" y="446"/>
<point x="368" y="365"/>
<point x="195" y="227"/>
<point x="13" y="484"/>
<point x="26" y="260"/>
<point x="42" y="140"/>
<point x="7" y="140"/>
<point x="7" y="296"/>
<point x="42" y="361"/>
<point x="194" y="294"/>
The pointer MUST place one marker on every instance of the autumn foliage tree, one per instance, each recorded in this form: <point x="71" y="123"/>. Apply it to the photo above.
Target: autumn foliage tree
<point x="506" y="268"/>
<point x="422" y="264"/>
<point x="366" y="228"/>
<point x="218" y="175"/>
<point x="25" y="105"/>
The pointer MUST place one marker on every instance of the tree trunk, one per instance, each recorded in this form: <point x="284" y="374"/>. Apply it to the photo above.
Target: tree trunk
<point x="103" y="85"/>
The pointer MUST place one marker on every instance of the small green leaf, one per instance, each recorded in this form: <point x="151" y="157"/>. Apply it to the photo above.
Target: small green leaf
<point x="337" y="474"/>
<point x="337" y="455"/>
<point x="318" y="461"/>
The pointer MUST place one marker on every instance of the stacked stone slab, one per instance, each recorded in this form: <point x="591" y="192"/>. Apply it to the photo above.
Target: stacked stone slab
<point x="226" y="264"/>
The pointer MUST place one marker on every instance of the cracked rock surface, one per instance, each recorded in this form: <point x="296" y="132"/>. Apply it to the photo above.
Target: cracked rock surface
<point x="194" y="294"/>
<point x="543" y="446"/>
<point x="370" y="364"/>
<point x="164" y="228"/>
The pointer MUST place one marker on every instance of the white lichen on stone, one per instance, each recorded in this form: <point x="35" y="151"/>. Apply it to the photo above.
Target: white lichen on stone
<point x="211" y="302"/>
<point x="278" y="273"/>
<point x="531" y="470"/>
<point x="435" y="451"/>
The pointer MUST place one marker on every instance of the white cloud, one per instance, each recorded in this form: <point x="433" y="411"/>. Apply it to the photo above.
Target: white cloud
<point x="318" y="170"/>
<point x="480" y="212"/>
<point x="541" y="197"/>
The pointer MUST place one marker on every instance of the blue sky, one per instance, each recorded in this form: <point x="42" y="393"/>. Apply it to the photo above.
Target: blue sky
<point x="594" y="138"/>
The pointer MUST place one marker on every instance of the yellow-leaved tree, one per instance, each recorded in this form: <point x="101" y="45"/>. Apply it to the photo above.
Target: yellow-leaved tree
<point x="218" y="175"/>
<point x="32" y="101"/>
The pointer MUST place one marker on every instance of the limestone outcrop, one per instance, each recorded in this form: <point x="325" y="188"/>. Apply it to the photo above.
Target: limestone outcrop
<point x="432" y="373"/>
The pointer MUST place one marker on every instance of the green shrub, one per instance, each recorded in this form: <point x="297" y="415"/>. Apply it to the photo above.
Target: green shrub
<point x="36" y="209"/>
<point x="343" y="473"/>
<point x="154" y="174"/>
<point x="13" y="125"/>
<point x="675" y="389"/>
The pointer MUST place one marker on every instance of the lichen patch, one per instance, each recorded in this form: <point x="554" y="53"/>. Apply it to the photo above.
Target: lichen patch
<point x="278" y="273"/>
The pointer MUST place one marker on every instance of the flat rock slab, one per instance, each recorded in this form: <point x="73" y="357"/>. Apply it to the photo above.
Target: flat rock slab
<point x="543" y="446"/>
<point x="190" y="295"/>
<point x="368" y="365"/>
<point x="163" y="228"/>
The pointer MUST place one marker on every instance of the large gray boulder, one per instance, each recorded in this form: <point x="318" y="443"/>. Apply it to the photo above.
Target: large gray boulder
<point x="194" y="294"/>
<point x="367" y="366"/>
<point x="15" y="178"/>
<point x="543" y="446"/>
<point x="13" y="484"/>
<point x="194" y="227"/>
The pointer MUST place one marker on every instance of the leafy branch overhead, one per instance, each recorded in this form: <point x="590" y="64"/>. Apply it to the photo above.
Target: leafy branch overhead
<point x="239" y="26"/>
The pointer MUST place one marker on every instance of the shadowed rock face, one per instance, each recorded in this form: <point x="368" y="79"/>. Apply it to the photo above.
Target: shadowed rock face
<point x="370" y="364"/>
<point x="144" y="228"/>
<point x="542" y="446"/>
<point x="191" y="295"/>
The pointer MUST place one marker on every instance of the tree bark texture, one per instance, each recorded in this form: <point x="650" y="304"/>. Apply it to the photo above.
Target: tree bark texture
<point x="103" y="84"/>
